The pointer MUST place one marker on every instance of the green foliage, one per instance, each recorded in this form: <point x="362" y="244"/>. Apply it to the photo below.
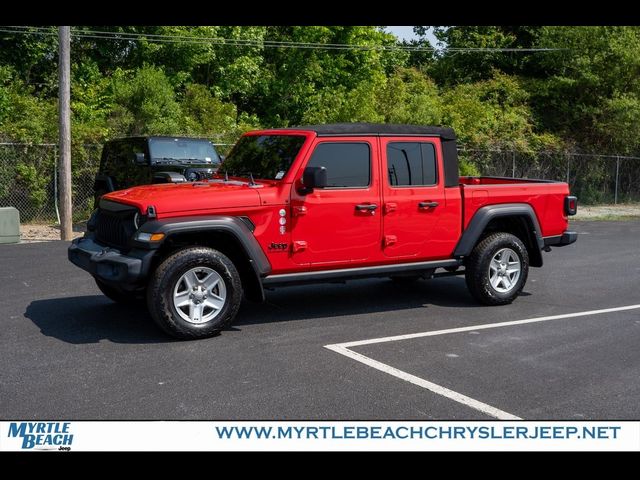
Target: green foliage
<point x="467" y="169"/>
<point x="490" y="114"/>
<point x="29" y="118"/>
<point x="585" y="95"/>
<point x="5" y="100"/>
<point x="29" y="178"/>
<point x="203" y="114"/>
<point x="297" y="81"/>
<point x="144" y="103"/>
<point x="590" y="89"/>
<point x="410" y="97"/>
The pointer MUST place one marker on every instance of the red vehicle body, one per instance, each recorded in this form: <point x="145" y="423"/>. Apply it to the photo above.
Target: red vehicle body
<point x="407" y="217"/>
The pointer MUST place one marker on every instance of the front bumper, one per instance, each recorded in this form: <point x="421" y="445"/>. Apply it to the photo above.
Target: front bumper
<point x="567" y="238"/>
<point x="108" y="264"/>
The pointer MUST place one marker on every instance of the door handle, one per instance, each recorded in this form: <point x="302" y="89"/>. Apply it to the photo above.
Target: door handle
<point x="369" y="207"/>
<point x="425" y="205"/>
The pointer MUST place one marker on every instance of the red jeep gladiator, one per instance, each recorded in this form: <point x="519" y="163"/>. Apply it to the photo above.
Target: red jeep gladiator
<point x="314" y="204"/>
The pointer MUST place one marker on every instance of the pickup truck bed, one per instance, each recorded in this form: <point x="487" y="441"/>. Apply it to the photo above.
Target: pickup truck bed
<point x="546" y="197"/>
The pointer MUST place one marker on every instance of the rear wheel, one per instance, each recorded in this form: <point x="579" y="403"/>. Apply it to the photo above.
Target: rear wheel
<point x="497" y="269"/>
<point x="194" y="293"/>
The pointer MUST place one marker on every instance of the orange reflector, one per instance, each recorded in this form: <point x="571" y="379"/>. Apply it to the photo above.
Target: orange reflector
<point x="156" y="237"/>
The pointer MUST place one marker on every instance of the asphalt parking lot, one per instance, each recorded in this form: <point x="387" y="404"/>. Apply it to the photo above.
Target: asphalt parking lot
<point x="67" y="352"/>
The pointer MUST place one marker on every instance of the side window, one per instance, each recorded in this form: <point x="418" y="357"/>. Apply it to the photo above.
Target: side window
<point x="348" y="164"/>
<point x="411" y="164"/>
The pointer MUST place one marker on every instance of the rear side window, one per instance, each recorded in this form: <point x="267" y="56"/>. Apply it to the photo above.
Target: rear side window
<point x="348" y="164"/>
<point x="411" y="164"/>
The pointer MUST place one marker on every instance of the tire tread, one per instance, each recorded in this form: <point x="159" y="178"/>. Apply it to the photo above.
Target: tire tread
<point x="159" y="304"/>
<point x="478" y="263"/>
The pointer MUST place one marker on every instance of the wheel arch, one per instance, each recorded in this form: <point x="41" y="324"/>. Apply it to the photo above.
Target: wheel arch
<point x="232" y="236"/>
<point x="518" y="219"/>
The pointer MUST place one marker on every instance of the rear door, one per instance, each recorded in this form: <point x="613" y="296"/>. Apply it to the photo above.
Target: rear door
<point x="341" y="223"/>
<point x="414" y="198"/>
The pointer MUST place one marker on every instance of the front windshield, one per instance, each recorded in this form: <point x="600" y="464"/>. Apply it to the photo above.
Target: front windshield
<point x="183" y="149"/>
<point x="263" y="156"/>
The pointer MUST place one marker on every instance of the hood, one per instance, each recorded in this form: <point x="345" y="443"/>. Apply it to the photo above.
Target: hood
<point x="172" y="198"/>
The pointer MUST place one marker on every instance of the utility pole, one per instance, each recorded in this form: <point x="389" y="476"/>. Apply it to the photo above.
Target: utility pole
<point x="64" y="110"/>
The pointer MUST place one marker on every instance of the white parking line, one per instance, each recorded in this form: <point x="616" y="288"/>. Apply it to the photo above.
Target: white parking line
<point x="344" y="349"/>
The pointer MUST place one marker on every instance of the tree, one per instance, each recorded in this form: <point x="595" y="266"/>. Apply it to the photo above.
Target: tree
<point x="144" y="103"/>
<point x="298" y="77"/>
<point x="591" y="86"/>
<point x="453" y="66"/>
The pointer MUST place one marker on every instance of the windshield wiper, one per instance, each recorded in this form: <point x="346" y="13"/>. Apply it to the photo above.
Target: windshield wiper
<point x="242" y="174"/>
<point x="186" y="160"/>
<point x="196" y="160"/>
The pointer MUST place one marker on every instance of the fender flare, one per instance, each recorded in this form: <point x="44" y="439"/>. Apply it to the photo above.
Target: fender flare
<point x="485" y="215"/>
<point x="240" y="228"/>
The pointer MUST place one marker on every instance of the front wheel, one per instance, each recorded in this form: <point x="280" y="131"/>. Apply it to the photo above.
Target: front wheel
<point x="497" y="269"/>
<point x="194" y="293"/>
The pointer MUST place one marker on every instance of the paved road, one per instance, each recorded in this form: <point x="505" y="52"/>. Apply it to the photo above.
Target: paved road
<point x="66" y="352"/>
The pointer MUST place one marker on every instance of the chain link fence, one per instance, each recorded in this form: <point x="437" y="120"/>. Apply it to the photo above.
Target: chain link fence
<point x="28" y="180"/>
<point x="595" y="179"/>
<point x="28" y="176"/>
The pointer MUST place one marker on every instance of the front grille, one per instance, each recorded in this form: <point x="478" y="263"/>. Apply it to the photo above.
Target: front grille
<point x="115" y="228"/>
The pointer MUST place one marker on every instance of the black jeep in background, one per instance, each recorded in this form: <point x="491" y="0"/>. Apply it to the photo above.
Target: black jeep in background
<point x="131" y="161"/>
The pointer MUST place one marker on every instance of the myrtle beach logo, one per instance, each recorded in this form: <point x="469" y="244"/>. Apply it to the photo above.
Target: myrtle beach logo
<point x="42" y="435"/>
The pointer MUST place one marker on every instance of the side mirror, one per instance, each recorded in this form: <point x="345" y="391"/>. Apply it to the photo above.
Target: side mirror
<point x="221" y="158"/>
<point x="314" y="177"/>
<point x="139" y="158"/>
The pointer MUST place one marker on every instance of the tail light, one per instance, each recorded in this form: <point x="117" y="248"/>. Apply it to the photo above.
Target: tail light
<point x="570" y="205"/>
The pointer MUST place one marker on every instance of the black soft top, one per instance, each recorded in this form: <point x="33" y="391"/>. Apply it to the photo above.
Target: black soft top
<point x="379" y="129"/>
<point x="446" y="134"/>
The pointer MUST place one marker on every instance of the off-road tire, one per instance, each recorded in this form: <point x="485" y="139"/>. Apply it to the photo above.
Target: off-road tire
<point x="160" y="292"/>
<point x="477" y="273"/>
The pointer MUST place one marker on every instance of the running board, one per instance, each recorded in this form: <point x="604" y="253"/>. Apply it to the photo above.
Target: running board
<point x="354" y="273"/>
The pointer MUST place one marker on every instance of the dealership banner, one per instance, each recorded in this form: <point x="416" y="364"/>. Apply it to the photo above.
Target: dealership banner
<point x="64" y="436"/>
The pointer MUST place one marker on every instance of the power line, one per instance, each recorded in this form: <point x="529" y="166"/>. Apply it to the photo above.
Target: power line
<point x="238" y="42"/>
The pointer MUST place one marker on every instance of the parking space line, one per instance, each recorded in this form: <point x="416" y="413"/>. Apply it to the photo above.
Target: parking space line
<point x="440" y="390"/>
<point x="344" y="349"/>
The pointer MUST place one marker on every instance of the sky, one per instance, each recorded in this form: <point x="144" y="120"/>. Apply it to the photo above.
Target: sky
<point x="406" y="33"/>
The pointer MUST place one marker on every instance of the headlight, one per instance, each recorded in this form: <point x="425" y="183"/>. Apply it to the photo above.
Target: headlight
<point x="149" y="237"/>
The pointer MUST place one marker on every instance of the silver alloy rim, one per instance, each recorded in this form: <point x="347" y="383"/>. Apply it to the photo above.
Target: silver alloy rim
<point x="504" y="270"/>
<point x="199" y="295"/>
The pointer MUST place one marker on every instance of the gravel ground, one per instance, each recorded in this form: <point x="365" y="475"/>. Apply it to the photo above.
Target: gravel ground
<point x="42" y="233"/>
<point x="607" y="211"/>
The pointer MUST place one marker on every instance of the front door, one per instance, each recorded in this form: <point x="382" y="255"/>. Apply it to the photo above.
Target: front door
<point x="341" y="223"/>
